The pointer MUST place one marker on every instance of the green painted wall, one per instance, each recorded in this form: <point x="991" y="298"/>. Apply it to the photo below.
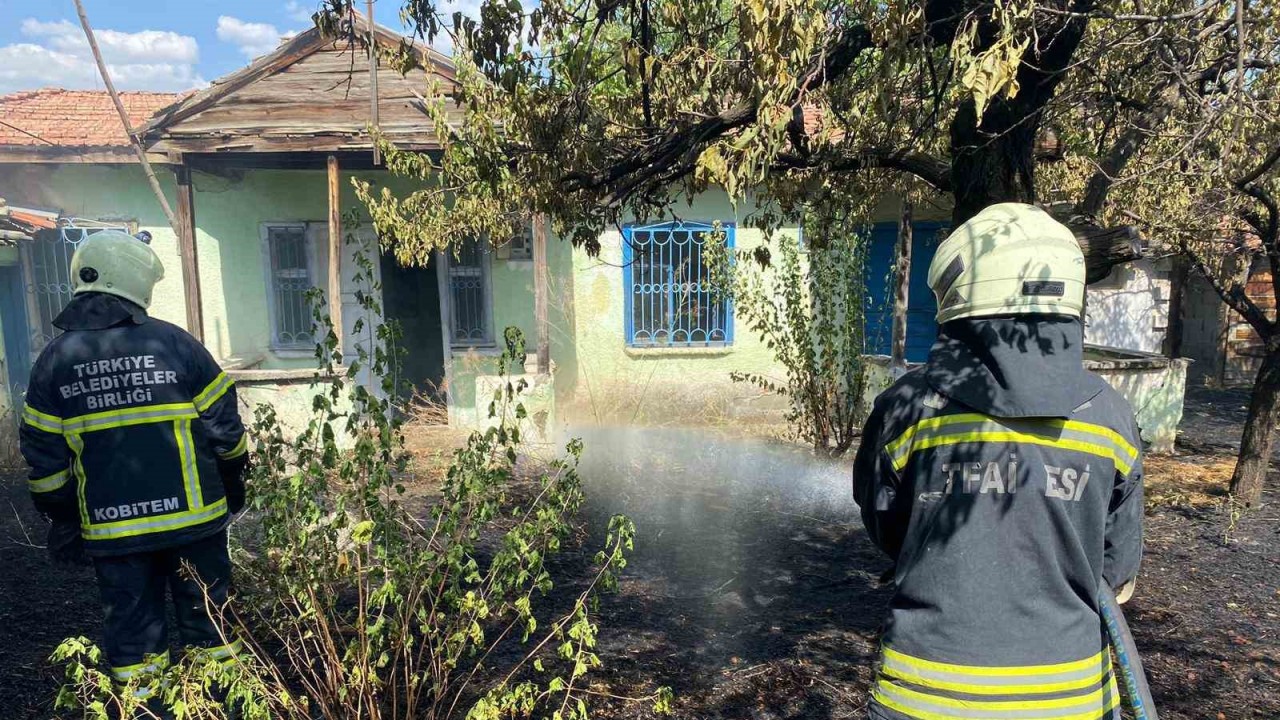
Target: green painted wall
<point x="605" y="381"/>
<point x="104" y="192"/>
<point x="229" y="214"/>
<point x="512" y="284"/>
<point x="230" y="211"/>
<point x="597" y="377"/>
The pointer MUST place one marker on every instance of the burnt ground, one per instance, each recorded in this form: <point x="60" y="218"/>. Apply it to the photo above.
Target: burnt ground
<point x="753" y="591"/>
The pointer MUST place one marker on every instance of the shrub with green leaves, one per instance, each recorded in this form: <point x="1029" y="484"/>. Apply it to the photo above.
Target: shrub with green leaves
<point x="355" y="601"/>
<point x="806" y="304"/>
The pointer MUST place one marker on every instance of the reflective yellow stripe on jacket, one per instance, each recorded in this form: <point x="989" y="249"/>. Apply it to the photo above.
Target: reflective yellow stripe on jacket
<point x="155" y="523"/>
<point x="181" y="416"/>
<point x="41" y="420"/>
<point x="49" y="483"/>
<point x="214" y="390"/>
<point x="1071" y="435"/>
<point x="241" y="448"/>
<point x="187" y="454"/>
<point x="928" y="690"/>
<point x="141" y="415"/>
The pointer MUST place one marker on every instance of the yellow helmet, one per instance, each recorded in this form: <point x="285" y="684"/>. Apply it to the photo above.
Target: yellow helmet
<point x="115" y="262"/>
<point x="1009" y="259"/>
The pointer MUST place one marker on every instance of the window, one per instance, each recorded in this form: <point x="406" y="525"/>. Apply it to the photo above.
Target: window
<point x="521" y="246"/>
<point x="469" y="294"/>
<point x="291" y="258"/>
<point x="667" y="287"/>
<point x="46" y="262"/>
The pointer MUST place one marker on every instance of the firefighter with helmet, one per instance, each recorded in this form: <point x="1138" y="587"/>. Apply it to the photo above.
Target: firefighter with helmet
<point x="137" y="455"/>
<point x="1005" y="481"/>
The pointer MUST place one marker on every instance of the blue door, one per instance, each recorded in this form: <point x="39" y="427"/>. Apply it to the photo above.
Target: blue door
<point x="16" y="335"/>
<point x="921" y="306"/>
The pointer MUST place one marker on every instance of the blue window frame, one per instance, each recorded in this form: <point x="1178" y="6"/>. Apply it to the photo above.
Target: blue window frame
<point x="668" y="297"/>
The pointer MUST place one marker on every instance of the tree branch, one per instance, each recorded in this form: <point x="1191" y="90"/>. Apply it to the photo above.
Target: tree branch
<point x="1165" y="98"/>
<point x="1162" y="102"/>
<point x="934" y="171"/>
<point x="1267" y="163"/>
<point x="662" y="156"/>
<point x="1235" y="298"/>
<point x="1268" y="229"/>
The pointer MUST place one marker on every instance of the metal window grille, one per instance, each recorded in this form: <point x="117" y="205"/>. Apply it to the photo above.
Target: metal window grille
<point x="469" y="294"/>
<point x="291" y="280"/>
<point x="46" y="261"/>
<point x="668" y="293"/>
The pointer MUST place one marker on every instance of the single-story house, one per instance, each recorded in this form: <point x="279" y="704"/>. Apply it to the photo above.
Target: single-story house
<point x="258" y="168"/>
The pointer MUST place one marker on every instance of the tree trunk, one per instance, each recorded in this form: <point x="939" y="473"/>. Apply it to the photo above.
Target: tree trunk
<point x="902" y="286"/>
<point x="1255" y="445"/>
<point x="993" y="163"/>
<point x="993" y="156"/>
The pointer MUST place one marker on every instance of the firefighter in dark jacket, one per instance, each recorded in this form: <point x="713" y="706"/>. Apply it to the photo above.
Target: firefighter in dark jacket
<point x="136" y="453"/>
<point x="1005" y="481"/>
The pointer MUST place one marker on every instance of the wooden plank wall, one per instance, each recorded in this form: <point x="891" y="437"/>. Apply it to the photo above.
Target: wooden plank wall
<point x="322" y="95"/>
<point x="1244" y="348"/>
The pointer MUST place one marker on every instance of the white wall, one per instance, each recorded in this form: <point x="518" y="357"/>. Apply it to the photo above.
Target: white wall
<point x="1130" y="309"/>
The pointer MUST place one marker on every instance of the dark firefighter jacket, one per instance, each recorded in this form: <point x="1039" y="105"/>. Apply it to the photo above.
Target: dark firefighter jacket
<point x="126" y="420"/>
<point x="1005" y="482"/>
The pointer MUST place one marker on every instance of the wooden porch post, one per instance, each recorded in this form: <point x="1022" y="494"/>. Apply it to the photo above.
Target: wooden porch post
<point x="185" y="219"/>
<point x="540" y="291"/>
<point x="901" y="282"/>
<point x="335" y="252"/>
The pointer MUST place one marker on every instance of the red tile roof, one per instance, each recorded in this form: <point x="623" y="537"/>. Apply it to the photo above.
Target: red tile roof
<point x="74" y="118"/>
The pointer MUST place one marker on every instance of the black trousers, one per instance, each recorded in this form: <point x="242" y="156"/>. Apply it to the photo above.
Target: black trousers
<point x="133" y="600"/>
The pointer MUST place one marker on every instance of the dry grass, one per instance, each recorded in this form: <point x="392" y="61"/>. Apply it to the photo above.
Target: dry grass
<point x="430" y="450"/>
<point x="1196" y="482"/>
<point x="10" y="459"/>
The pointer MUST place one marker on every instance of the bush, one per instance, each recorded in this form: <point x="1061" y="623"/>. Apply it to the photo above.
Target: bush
<point x="806" y="304"/>
<point x="350" y="604"/>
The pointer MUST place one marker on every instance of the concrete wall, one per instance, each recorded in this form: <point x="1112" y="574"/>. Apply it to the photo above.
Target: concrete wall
<point x="608" y="381"/>
<point x="290" y="398"/>
<point x="1204" y="330"/>
<point x="1130" y="309"/>
<point x="1153" y="385"/>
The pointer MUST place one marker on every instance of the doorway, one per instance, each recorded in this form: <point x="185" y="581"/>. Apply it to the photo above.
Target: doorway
<point x="411" y="297"/>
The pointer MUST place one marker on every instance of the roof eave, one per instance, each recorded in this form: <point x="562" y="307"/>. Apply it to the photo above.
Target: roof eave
<point x="75" y="154"/>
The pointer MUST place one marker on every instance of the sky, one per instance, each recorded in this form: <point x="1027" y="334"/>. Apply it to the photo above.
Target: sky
<point x="162" y="45"/>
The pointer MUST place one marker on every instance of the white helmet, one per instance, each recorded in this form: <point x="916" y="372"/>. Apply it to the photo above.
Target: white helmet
<point x="115" y="262"/>
<point x="1009" y="259"/>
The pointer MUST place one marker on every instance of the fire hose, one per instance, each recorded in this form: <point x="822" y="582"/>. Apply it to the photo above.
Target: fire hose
<point x="1133" y="680"/>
